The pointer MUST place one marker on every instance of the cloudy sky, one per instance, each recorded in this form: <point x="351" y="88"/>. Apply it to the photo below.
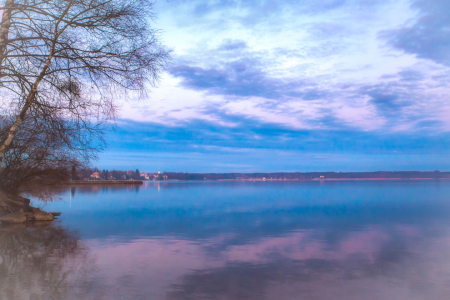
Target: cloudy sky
<point x="289" y="85"/>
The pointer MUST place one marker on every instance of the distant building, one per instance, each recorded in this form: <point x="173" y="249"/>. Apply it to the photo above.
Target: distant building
<point x="165" y="177"/>
<point x="145" y="175"/>
<point x="322" y="177"/>
<point x="95" y="175"/>
<point x="159" y="172"/>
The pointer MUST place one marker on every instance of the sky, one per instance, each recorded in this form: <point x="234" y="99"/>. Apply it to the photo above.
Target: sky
<point x="289" y="85"/>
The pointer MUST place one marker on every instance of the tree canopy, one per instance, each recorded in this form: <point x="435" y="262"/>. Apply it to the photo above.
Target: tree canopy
<point x="64" y="65"/>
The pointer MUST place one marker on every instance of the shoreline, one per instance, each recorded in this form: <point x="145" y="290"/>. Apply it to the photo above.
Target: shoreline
<point x="313" y="179"/>
<point x="15" y="209"/>
<point x="328" y="179"/>
<point x="140" y="182"/>
<point x="102" y="182"/>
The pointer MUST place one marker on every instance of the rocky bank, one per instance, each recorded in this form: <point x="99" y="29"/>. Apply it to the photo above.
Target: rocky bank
<point x="17" y="209"/>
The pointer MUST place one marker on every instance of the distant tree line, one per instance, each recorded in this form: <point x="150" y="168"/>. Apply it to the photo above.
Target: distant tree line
<point x="86" y="174"/>
<point x="307" y="176"/>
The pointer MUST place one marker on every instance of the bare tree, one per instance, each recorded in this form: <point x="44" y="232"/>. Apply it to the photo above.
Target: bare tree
<point x="65" y="64"/>
<point x="41" y="156"/>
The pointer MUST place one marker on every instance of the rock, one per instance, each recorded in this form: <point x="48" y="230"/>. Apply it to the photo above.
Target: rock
<point x="16" y="209"/>
<point x="43" y="216"/>
<point x="14" y="218"/>
<point x="30" y="216"/>
<point x="12" y="203"/>
<point x="56" y="214"/>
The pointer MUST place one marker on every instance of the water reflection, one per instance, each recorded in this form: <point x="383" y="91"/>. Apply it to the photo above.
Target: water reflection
<point x="43" y="262"/>
<point x="321" y="240"/>
<point x="373" y="264"/>
<point x="95" y="189"/>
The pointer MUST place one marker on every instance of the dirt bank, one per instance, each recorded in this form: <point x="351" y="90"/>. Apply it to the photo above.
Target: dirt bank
<point x="17" y="209"/>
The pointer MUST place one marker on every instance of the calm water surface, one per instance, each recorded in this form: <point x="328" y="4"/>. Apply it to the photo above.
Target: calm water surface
<point x="235" y="240"/>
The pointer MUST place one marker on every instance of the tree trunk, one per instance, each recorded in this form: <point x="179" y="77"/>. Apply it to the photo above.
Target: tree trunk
<point x="4" y="28"/>
<point x="30" y="98"/>
<point x="12" y="130"/>
<point x="4" y="32"/>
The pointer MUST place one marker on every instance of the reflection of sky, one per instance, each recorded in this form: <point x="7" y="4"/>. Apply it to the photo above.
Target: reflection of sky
<point x="198" y="210"/>
<point x="287" y="85"/>
<point x="273" y="240"/>
<point x="365" y="261"/>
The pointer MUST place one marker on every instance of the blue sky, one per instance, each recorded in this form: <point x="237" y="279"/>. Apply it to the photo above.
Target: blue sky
<point x="294" y="86"/>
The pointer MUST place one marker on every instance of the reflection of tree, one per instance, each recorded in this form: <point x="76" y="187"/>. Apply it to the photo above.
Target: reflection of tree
<point x="95" y="189"/>
<point x="42" y="262"/>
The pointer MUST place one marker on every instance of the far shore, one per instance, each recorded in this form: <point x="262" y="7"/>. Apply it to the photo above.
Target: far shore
<point x="94" y="182"/>
<point x="329" y="179"/>
<point x="139" y="182"/>
<point x="339" y="179"/>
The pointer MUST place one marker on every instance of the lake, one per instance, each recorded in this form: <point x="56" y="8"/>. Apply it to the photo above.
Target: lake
<point x="235" y="240"/>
